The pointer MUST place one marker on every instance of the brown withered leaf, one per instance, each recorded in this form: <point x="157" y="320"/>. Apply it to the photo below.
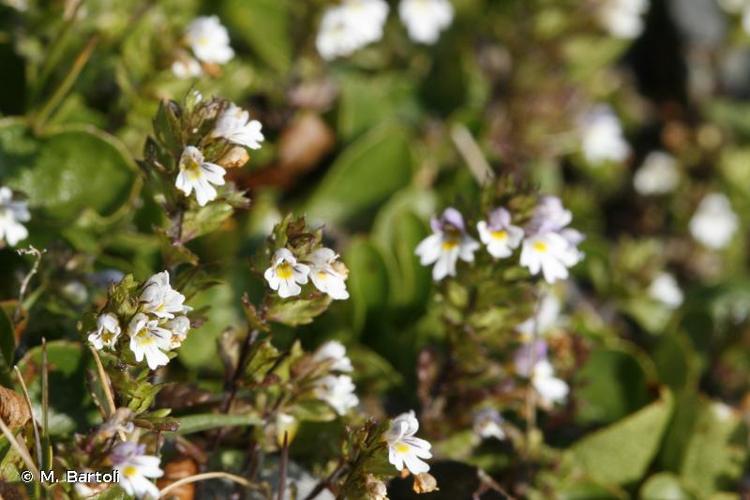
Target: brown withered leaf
<point x="177" y="396"/>
<point x="13" y="408"/>
<point x="424" y="483"/>
<point x="236" y="157"/>
<point x="174" y="470"/>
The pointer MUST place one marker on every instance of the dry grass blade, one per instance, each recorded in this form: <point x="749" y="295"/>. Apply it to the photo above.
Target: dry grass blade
<point x="205" y="476"/>
<point x="22" y="451"/>
<point x="37" y="439"/>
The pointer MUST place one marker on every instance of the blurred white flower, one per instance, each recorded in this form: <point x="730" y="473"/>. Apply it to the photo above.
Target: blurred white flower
<point x="107" y="332"/>
<point x="602" y="139"/>
<point x="12" y="213"/>
<point x="286" y="274"/>
<point x="404" y="448"/>
<point x="350" y="26"/>
<point x="337" y="391"/>
<point x="657" y="175"/>
<point x="160" y="299"/>
<point x="186" y="67"/>
<point x="425" y="19"/>
<point x="664" y="288"/>
<point x="209" y="40"/>
<point x="327" y="274"/>
<point x="550" y="389"/>
<point x="447" y="244"/>
<point x="235" y="125"/>
<point x="149" y="340"/>
<point x="714" y="223"/>
<point x="623" y="18"/>
<point x="499" y="235"/>
<point x="196" y="173"/>
<point x="488" y="424"/>
<point x="178" y="327"/>
<point x="135" y="468"/>
<point x="335" y="352"/>
<point x="544" y="320"/>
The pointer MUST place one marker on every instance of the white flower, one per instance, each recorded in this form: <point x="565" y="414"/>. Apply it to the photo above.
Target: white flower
<point x="425" y="19"/>
<point x="665" y="289"/>
<point x="488" y="424"/>
<point x="337" y="391"/>
<point x="148" y="339"/>
<point x="658" y="175"/>
<point x="350" y="26"/>
<point x="551" y="389"/>
<point x="12" y="213"/>
<point x="602" y="138"/>
<point x="106" y="333"/>
<point x="135" y="468"/>
<point x="543" y="320"/>
<point x="160" y="299"/>
<point x="196" y="173"/>
<point x="209" y="40"/>
<point x="234" y="124"/>
<point x="186" y="67"/>
<point x="447" y="244"/>
<point x="623" y="18"/>
<point x="714" y="223"/>
<point x="286" y="274"/>
<point x="404" y="448"/>
<point x="178" y="327"/>
<point x="500" y="236"/>
<point x="334" y="351"/>
<point x="326" y="273"/>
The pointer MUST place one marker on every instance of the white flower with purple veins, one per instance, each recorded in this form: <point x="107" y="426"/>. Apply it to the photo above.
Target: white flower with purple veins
<point x="160" y="299"/>
<point x="234" y="124"/>
<point x="425" y="19"/>
<point x="602" y="138"/>
<point x="209" y="40"/>
<point x="657" y="175"/>
<point x="499" y="235"/>
<point x="403" y="448"/>
<point x="199" y="175"/>
<point x="531" y="362"/>
<point x="12" y="213"/>
<point x="149" y="340"/>
<point x="337" y="391"/>
<point x="327" y="274"/>
<point x="334" y="352"/>
<point x="714" y="223"/>
<point x="488" y="424"/>
<point x="350" y="26"/>
<point x="107" y="332"/>
<point x="135" y="468"/>
<point x="623" y="18"/>
<point x="665" y="289"/>
<point x="179" y="328"/>
<point x="448" y="243"/>
<point x="286" y="274"/>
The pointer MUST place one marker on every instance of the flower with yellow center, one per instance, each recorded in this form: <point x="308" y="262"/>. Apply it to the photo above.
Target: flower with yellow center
<point x="448" y="243"/>
<point x="286" y="274"/>
<point x="234" y="124"/>
<point x="199" y="175"/>
<point x="149" y="340"/>
<point x="106" y="333"/>
<point x="160" y="299"/>
<point x="135" y="468"/>
<point x="209" y="40"/>
<point x="328" y="274"/>
<point x="403" y="448"/>
<point x="499" y="235"/>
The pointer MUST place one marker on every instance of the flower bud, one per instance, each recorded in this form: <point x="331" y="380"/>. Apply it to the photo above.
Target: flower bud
<point x="375" y="488"/>
<point x="424" y="482"/>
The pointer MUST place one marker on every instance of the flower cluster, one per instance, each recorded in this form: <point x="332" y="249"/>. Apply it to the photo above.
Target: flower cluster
<point x="322" y="267"/>
<point x="548" y="245"/>
<point x="135" y="468"/>
<point x="208" y="41"/>
<point x="158" y="326"/>
<point x="12" y="214"/>
<point x="336" y="390"/>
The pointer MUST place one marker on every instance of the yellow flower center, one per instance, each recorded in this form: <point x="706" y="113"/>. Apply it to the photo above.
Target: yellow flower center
<point x="107" y="336"/>
<point x="192" y="168"/>
<point x="450" y="244"/>
<point x="129" y="471"/>
<point x="284" y="271"/>
<point x="322" y="275"/>
<point x="143" y="337"/>
<point x="540" y="246"/>
<point x="499" y="235"/>
<point x="402" y="447"/>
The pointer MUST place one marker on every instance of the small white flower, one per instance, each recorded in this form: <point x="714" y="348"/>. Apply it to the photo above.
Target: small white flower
<point x="544" y="320"/>
<point x="12" y="213"/>
<point x="447" y="244"/>
<point x="665" y="289"/>
<point x="714" y="223"/>
<point x="234" y="124"/>
<point x="209" y="40"/>
<point x="350" y="26"/>
<point x="404" y="448"/>
<point x="186" y="67"/>
<point x="286" y="274"/>
<point x="196" y="173"/>
<point x="135" y="468"/>
<point x="160" y="299"/>
<point x="623" y="18"/>
<point x="334" y="352"/>
<point x="148" y="339"/>
<point x="658" y="175"/>
<point x="326" y="273"/>
<point x="107" y="332"/>
<point x="500" y="236"/>
<point x="551" y="389"/>
<point x="549" y="253"/>
<point x="337" y="391"/>
<point x="602" y="138"/>
<point x="178" y="327"/>
<point x="488" y="424"/>
<point x="425" y="19"/>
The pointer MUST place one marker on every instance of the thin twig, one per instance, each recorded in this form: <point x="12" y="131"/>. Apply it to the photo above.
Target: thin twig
<point x="205" y="476"/>
<point x="27" y="279"/>
<point x="37" y="440"/>
<point x="239" y="370"/>
<point x="105" y="383"/>
<point x="471" y="153"/>
<point x="21" y="450"/>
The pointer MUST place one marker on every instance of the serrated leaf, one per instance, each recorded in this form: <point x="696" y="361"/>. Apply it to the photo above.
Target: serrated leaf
<point x="295" y="312"/>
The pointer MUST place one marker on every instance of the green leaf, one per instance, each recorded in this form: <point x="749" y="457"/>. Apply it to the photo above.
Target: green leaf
<point x="622" y="452"/>
<point x="191" y="424"/>
<point x="295" y="312"/>
<point x="7" y="343"/>
<point x="664" y="486"/>
<point x="263" y="25"/>
<point x="366" y="174"/>
<point x="368" y="280"/>
<point x="205" y="219"/>
<point x="313" y="410"/>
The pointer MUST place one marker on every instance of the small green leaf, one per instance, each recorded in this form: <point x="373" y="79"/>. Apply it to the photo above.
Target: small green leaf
<point x="664" y="486"/>
<point x="295" y="312"/>
<point x="368" y="280"/>
<point x="263" y="25"/>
